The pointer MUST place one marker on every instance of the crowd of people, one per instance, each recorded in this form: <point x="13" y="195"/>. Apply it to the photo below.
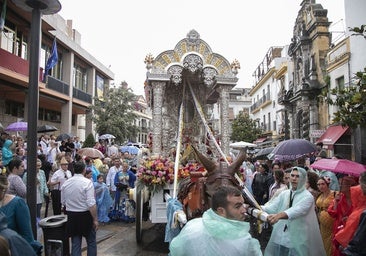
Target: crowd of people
<point x="91" y="191"/>
<point x="310" y="212"/>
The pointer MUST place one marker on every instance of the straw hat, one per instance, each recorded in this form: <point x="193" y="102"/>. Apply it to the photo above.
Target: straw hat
<point x="63" y="161"/>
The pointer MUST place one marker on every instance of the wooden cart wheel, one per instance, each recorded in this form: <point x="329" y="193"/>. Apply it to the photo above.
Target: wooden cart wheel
<point x="139" y="211"/>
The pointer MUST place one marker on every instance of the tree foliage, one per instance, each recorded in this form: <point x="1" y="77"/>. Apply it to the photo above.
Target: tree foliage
<point x="351" y="100"/>
<point x="89" y="141"/>
<point x="244" y="128"/>
<point x="115" y="114"/>
<point x="359" y="31"/>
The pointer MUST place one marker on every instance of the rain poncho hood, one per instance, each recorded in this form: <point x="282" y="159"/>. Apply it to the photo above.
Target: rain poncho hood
<point x="300" y="232"/>
<point x="214" y="235"/>
<point x="7" y="153"/>
<point x="358" y="206"/>
<point x="302" y="179"/>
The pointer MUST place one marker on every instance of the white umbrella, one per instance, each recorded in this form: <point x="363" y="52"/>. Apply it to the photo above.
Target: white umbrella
<point x="106" y="136"/>
<point x="242" y="144"/>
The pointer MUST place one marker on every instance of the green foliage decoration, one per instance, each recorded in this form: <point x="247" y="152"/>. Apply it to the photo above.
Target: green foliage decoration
<point x="89" y="141"/>
<point x="244" y="128"/>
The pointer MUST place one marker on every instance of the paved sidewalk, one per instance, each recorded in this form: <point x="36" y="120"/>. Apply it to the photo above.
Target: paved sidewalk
<point x="102" y="234"/>
<point x="119" y="238"/>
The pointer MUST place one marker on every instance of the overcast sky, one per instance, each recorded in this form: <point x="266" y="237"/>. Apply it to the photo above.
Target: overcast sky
<point x="121" y="33"/>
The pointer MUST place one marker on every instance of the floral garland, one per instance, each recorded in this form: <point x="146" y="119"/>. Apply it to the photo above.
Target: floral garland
<point x="157" y="172"/>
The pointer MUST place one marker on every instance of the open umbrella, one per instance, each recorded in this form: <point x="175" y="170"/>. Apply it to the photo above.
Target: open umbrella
<point x="242" y="144"/>
<point x="106" y="136"/>
<point x="340" y="166"/>
<point x="90" y="152"/>
<point x="262" y="154"/>
<point x="292" y="149"/>
<point x="132" y="150"/>
<point x="64" y="136"/>
<point x="46" y="128"/>
<point x="17" y="127"/>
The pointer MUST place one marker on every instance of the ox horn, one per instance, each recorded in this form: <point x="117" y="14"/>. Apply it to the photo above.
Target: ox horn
<point x="238" y="161"/>
<point x="209" y="165"/>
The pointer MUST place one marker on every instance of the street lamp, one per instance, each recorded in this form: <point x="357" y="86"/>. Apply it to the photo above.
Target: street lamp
<point x="38" y="7"/>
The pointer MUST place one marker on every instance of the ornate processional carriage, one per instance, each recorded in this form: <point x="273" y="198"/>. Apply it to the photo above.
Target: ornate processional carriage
<point x="172" y="77"/>
<point x="182" y="87"/>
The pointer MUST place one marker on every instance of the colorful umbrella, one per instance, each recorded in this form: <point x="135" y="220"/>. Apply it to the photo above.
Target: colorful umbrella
<point x="292" y="149"/>
<point x="90" y="152"/>
<point x="340" y="166"/>
<point x="17" y="127"/>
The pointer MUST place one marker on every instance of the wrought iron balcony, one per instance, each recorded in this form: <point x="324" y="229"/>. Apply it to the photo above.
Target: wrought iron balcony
<point x="57" y="85"/>
<point x="81" y="95"/>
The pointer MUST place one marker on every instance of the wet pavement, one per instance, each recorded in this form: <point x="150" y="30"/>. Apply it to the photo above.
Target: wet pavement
<point x="118" y="238"/>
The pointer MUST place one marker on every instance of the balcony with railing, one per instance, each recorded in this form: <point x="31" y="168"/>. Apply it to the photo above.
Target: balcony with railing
<point x="15" y="64"/>
<point x="262" y="102"/>
<point x="81" y="95"/>
<point x="266" y="63"/>
<point x="57" y="85"/>
<point x="265" y="127"/>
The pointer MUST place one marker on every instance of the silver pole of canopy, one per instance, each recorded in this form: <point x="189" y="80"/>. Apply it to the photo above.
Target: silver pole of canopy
<point x="179" y="144"/>
<point x="200" y="112"/>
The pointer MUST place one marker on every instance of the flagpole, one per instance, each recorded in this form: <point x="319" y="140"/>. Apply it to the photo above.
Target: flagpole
<point x="2" y="16"/>
<point x="52" y="59"/>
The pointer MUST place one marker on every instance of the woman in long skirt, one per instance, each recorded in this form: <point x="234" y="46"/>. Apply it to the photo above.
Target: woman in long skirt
<point x="103" y="198"/>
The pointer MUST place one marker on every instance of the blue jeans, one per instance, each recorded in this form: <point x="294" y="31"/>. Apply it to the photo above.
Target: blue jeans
<point x="91" y="242"/>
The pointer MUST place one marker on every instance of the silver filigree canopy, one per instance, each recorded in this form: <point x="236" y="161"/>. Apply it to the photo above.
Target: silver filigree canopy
<point x="193" y="55"/>
<point x="176" y="74"/>
<point x="193" y="63"/>
<point x="193" y="37"/>
<point x="204" y="75"/>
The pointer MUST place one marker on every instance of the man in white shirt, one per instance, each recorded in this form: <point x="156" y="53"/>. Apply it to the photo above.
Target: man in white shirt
<point x="77" y="194"/>
<point x="52" y="152"/>
<point x="44" y="142"/>
<point x="56" y="182"/>
<point x="112" y="150"/>
<point x="77" y="143"/>
<point x="111" y="174"/>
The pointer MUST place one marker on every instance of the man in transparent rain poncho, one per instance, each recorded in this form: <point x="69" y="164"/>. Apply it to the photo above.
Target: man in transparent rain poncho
<point x="295" y="225"/>
<point x="221" y="230"/>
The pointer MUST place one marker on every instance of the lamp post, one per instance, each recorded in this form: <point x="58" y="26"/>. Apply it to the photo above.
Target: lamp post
<point x="38" y="7"/>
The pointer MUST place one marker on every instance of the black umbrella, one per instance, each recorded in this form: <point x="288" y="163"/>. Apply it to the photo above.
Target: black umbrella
<point x="262" y="154"/>
<point x="46" y="128"/>
<point x="64" y="136"/>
